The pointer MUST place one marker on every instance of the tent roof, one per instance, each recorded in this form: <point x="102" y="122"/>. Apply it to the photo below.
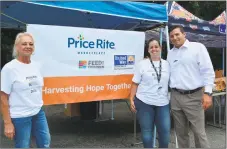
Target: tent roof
<point x="99" y="14"/>
<point x="221" y="19"/>
<point x="180" y="16"/>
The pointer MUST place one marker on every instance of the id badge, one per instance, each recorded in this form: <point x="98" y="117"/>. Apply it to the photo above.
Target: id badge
<point x="160" y="89"/>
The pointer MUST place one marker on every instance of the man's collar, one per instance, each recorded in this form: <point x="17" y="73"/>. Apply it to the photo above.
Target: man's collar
<point x="186" y="45"/>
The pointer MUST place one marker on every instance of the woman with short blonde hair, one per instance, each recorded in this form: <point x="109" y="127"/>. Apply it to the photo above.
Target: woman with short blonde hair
<point x="21" y="96"/>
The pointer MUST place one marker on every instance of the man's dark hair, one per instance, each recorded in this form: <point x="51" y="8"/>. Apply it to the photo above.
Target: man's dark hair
<point x="171" y="28"/>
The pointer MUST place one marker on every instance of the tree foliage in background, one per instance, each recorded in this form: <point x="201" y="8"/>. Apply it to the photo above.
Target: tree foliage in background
<point x="206" y="10"/>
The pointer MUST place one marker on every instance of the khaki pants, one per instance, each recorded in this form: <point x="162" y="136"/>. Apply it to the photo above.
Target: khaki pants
<point x="188" y="109"/>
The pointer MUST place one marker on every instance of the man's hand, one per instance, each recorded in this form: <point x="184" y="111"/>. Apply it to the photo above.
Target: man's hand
<point x="206" y="101"/>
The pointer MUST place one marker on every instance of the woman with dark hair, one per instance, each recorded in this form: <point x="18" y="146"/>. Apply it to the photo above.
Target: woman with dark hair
<point x="149" y="96"/>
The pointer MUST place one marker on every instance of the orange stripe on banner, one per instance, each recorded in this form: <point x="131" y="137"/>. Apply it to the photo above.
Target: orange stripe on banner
<point x="60" y="90"/>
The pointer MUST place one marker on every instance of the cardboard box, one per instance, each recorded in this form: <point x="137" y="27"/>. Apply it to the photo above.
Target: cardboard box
<point x="72" y="109"/>
<point x="220" y="84"/>
<point x="218" y="73"/>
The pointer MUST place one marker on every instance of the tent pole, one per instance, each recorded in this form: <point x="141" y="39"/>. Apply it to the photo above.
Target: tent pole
<point x="167" y="38"/>
<point x="112" y="110"/>
<point x="161" y="31"/>
<point x="166" y="27"/>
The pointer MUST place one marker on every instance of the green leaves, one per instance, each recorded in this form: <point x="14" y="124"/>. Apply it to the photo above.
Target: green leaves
<point x="206" y="10"/>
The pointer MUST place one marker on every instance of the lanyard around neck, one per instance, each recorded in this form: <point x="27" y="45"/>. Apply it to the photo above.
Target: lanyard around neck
<point x="160" y="70"/>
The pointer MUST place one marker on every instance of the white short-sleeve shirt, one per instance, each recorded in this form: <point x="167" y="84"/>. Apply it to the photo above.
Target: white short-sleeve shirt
<point x="149" y="90"/>
<point x="23" y="83"/>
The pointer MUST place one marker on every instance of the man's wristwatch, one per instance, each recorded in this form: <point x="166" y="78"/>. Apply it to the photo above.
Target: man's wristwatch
<point x="209" y="94"/>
